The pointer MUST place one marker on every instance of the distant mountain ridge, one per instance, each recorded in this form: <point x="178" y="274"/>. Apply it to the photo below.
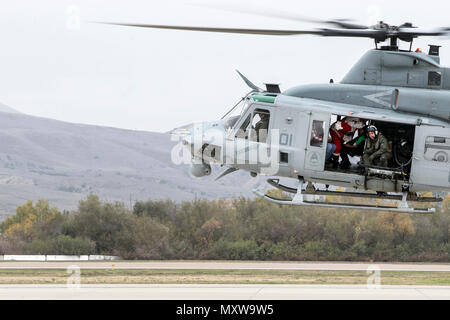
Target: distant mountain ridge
<point x="8" y="109"/>
<point x="64" y="162"/>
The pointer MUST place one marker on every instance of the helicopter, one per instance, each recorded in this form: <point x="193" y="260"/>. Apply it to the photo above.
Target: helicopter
<point x="403" y="94"/>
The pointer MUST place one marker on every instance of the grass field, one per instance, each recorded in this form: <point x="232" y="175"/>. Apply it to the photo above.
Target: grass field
<point x="133" y="276"/>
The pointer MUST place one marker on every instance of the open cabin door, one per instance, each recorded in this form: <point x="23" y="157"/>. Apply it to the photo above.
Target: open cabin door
<point x="317" y="139"/>
<point x="431" y="158"/>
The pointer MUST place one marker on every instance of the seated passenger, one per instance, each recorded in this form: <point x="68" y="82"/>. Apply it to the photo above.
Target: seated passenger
<point x="353" y="148"/>
<point x="343" y="131"/>
<point x="376" y="149"/>
<point x="330" y="149"/>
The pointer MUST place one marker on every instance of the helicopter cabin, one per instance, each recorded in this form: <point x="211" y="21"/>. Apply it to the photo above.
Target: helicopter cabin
<point x="399" y="138"/>
<point x="418" y="146"/>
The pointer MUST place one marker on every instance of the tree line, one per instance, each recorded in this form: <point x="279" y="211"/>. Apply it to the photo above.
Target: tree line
<point x="236" y="229"/>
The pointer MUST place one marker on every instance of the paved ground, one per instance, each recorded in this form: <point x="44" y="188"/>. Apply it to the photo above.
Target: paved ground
<point x="222" y="292"/>
<point x="262" y="265"/>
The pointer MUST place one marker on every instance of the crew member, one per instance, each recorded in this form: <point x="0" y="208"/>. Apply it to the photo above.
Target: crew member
<point x="376" y="148"/>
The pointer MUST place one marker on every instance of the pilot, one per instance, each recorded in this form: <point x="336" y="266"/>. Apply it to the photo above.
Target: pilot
<point x="262" y="124"/>
<point x="376" y="149"/>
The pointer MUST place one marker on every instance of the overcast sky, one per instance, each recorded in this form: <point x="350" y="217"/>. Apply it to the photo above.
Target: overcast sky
<point x="55" y="64"/>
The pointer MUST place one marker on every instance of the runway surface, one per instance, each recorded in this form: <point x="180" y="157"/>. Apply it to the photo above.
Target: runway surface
<point x="222" y="292"/>
<point x="231" y="265"/>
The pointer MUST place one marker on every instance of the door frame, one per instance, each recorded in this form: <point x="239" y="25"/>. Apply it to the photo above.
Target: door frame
<point x="315" y="155"/>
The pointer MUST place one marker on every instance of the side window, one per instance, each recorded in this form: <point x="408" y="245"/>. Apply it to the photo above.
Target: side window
<point x="434" y="78"/>
<point x="243" y="130"/>
<point x="260" y="125"/>
<point x="317" y="131"/>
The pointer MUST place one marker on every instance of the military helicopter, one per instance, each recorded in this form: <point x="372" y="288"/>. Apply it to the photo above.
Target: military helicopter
<point x="405" y="95"/>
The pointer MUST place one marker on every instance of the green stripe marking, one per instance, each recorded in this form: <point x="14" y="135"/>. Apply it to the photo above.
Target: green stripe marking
<point x="264" y="98"/>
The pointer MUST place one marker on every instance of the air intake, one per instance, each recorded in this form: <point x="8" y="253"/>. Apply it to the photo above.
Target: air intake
<point x="434" y="50"/>
<point x="271" y="87"/>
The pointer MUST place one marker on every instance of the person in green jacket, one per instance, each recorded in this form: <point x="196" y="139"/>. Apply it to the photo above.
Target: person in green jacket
<point x="355" y="147"/>
<point x="376" y="148"/>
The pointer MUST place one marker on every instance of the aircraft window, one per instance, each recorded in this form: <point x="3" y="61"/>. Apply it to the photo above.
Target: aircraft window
<point x="434" y="78"/>
<point x="260" y="124"/>
<point x="284" y="157"/>
<point x="317" y="130"/>
<point x="243" y="130"/>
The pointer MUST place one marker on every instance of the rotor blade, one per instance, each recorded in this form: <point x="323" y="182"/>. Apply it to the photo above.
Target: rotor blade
<point x="380" y="35"/>
<point x="228" y="171"/>
<point x="416" y="32"/>
<point x="369" y="33"/>
<point x="249" y="83"/>
<point x="342" y="23"/>
<point x="270" y="32"/>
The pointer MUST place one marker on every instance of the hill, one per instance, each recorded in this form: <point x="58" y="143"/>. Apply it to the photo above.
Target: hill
<point x="8" y="109"/>
<point x="64" y="162"/>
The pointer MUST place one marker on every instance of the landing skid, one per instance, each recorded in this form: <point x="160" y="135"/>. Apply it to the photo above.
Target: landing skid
<point x="303" y="198"/>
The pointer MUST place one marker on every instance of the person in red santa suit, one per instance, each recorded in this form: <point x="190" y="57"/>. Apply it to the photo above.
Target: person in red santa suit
<point x="342" y="131"/>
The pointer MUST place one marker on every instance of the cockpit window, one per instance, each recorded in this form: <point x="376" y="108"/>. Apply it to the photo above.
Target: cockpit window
<point x="255" y="126"/>
<point x="243" y="130"/>
<point x="434" y="78"/>
<point x="260" y="125"/>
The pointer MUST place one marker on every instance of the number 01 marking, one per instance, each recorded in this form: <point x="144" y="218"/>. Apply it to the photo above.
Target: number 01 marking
<point x="286" y="139"/>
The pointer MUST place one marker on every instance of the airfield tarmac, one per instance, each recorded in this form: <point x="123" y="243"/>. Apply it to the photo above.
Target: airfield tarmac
<point x="224" y="291"/>
<point x="230" y="265"/>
